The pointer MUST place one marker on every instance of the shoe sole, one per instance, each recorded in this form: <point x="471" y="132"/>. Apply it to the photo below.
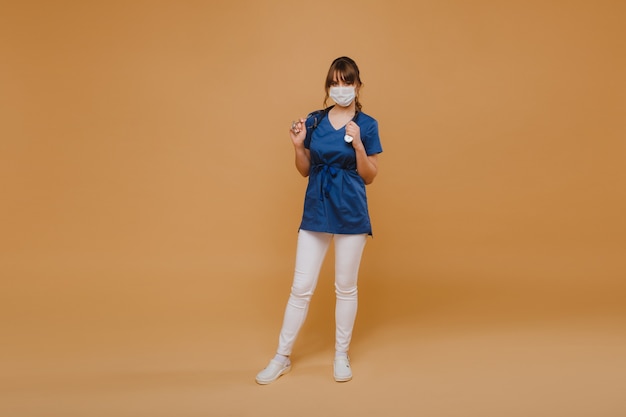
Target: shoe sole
<point x="269" y="381"/>
<point x="344" y="379"/>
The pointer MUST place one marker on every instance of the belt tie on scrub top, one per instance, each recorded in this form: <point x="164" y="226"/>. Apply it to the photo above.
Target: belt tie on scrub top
<point x="327" y="172"/>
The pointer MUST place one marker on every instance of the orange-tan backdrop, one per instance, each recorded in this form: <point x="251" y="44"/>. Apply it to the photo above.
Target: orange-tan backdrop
<point x="150" y="205"/>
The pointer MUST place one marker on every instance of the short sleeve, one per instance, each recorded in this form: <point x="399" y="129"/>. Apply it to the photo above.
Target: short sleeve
<point x="371" y="138"/>
<point x="311" y="120"/>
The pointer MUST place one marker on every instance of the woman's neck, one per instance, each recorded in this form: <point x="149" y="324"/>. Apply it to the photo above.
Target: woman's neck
<point x="344" y="111"/>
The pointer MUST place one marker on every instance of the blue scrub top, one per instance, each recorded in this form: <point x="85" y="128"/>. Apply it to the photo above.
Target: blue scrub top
<point x="335" y="200"/>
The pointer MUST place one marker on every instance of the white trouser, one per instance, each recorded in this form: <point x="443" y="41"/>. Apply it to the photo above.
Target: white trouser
<point x="312" y="248"/>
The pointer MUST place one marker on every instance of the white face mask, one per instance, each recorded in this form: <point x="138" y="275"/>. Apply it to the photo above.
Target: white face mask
<point x="343" y="96"/>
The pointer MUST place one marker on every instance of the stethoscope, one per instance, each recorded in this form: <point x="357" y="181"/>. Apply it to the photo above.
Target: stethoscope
<point x="346" y="138"/>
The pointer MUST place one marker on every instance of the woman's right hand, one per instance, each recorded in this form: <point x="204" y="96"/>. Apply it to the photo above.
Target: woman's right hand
<point x="298" y="132"/>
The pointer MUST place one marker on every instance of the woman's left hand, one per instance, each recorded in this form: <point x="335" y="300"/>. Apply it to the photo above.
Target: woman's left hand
<point x="352" y="129"/>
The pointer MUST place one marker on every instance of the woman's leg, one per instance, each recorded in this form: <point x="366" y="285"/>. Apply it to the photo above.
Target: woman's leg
<point x="348" y="251"/>
<point x="311" y="250"/>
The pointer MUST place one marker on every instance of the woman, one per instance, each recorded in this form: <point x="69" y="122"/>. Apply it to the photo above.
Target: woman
<point x="337" y="149"/>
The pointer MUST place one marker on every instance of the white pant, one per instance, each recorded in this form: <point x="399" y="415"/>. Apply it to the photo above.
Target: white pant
<point x="312" y="248"/>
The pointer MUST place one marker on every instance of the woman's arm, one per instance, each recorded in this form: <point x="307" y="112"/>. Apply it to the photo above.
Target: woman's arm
<point x="366" y="165"/>
<point x="303" y="155"/>
<point x="303" y="160"/>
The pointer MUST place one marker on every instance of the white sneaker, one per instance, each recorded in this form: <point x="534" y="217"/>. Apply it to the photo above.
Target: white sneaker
<point x="272" y="371"/>
<point x="342" y="369"/>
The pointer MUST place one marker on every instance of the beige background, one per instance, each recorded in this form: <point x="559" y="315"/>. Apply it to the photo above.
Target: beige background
<point x="150" y="207"/>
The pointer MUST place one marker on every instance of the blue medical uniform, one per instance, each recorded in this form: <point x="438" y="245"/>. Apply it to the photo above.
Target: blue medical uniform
<point x="335" y="200"/>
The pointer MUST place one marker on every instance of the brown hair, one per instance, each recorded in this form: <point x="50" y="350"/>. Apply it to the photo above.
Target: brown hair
<point x="347" y="71"/>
